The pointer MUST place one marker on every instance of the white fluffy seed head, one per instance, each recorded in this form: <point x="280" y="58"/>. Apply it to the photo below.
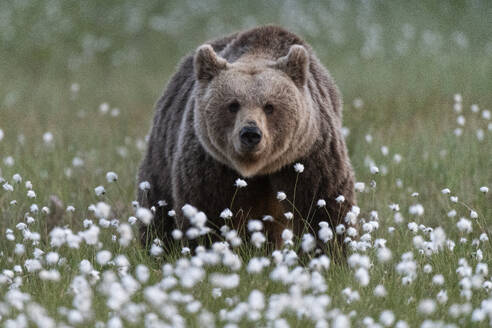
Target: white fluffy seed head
<point x="144" y="215"/>
<point x="298" y="167"/>
<point x="281" y="196"/>
<point x="111" y="176"/>
<point x="240" y="183"/>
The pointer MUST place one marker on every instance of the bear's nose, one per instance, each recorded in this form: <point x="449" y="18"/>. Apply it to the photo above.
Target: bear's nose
<point x="250" y="136"/>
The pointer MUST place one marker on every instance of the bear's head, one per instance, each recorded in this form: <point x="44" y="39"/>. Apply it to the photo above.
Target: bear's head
<point x="256" y="114"/>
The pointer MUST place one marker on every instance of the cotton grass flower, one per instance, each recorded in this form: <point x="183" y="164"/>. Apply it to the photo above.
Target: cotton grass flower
<point x="240" y="183"/>
<point x="325" y="233"/>
<point x="144" y="185"/>
<point x="99" y="190"/>
<point x="111" y="177"/>
<point x="226" y="214"/>
<point x="298" y="167"/>
<point x="426" y="306"/>
<point x="224" y="281"/>
<point x="144" y="215"/>
<point x="258" y="239"/>
<point x="359" y="186"/>
<point x="281" y="196"/>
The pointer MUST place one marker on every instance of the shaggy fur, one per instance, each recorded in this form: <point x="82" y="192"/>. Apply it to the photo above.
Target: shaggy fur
<point x="265" y="77"/>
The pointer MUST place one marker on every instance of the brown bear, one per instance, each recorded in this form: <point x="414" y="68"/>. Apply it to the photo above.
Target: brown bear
<point x="249" y="105"/>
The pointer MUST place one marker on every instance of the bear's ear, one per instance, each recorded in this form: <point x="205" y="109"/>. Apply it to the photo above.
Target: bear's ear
<point x="295" y="64"/>
<point x="207" y="64"/>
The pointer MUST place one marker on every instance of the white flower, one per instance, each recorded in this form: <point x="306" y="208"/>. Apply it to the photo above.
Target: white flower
<point x="464" y="225"/>
<point x="17" y="178"/>
<point x="2" y="134"/>
<point x="458" y="98"/>
<point x="380" y="291"/>
<point x="48" y="137"/>
<point x="77" y="162"/>
<point x="31" y="194"/>
<point x="416" y="209"/>
<point x="142" y="273"/>
<point x="103" y="257"/>
<point x="362" y="276"/>
<point x="177" y="234"/>
<point x="486" y="114"/>
<point x="91" y="235"/>
<point x="289" y="215"/>
<point x="321" y="203"/>
<point x="484" y="189"/>
<point x="438" y="279"/>
<point x="104" y="108"/>
<point x="240" y="183"/>
<point x="144" y="215"/>
<point x="281" y="196"/>
<point x="224" y="280"/>
<point x="358" y="103"/>
<point x="256" y="300"/>
<point x="384" y="255"/>
<point x="446" y="191"/>
<point x="144" y="185"/>
<point x="427" y="306"/>
<point x="340" y="229"/>
<point x="7" y="187"/>
<point x="452" y="213"/>
<point x="442" y="296"/>
<point x="359" y="186"/>
<point x="100" y="190"/>
<point x="226" y="214"/>
<point x="9" y="161"/>
<point x="298" y="167"/>
<point x="308" y="242"/>
<point x="258" y="239"/>
<point x="52" y="258"/>
<point x="387" y="318"/>
<point x="255" y="225"/>
<point x="454" y="199"/>
<point x="156" y="250"/>
<point x="51" y="275"/>
<point x="111" y="177"/>
<point x="32" y="265"/>
<point x="340" y="199"/>
<point x="374" y="170"/>
<point x="473" y="214"/>
<point x="287" y="235"/>
<point x="102" y="210"/>
<point x="325" y="233"/>
<point x="342" y="321"/>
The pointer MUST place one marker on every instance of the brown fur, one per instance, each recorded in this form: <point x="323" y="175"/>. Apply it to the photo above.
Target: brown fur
<point x="194" y="154"/>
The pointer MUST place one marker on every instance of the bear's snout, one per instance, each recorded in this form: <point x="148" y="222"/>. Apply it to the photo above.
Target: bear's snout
<point x="250" y="136"/>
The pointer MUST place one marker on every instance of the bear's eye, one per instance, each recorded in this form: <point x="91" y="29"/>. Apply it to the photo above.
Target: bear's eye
<point x="268" y="108"/>
<point x="234" y="106"/>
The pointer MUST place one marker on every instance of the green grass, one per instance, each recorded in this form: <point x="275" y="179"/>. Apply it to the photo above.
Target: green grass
<point x="408" y="107"/>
